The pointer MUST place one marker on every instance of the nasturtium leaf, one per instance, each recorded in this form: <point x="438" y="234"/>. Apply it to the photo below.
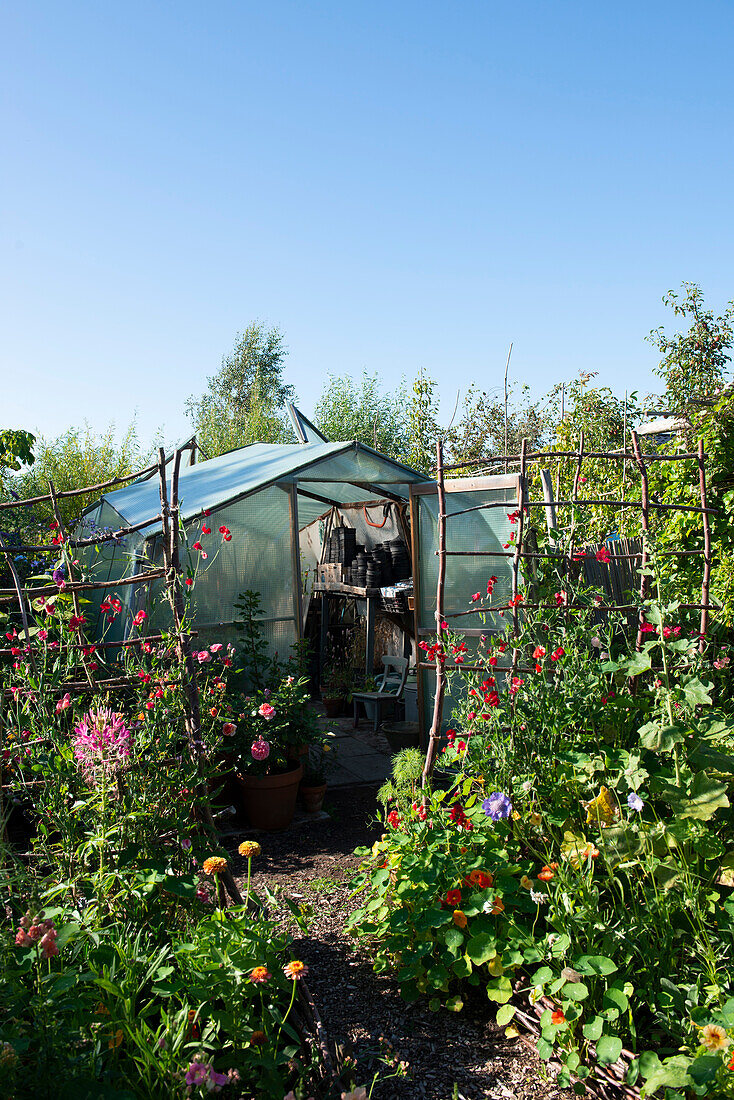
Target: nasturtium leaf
<point x="453" y="937"/>
<point x="499" y="990"/>
<point x="545" y="1049"/>
<point x="454" y="1004"/>
<point x="505" y="1014"/>
<point x="608" y="1049"/>
<point x="575" y="991"/>
<point x="481" y="948"/>
<point x="705" y="1069"/>
<point x="594" y="964"/>
<point x="543" y="975"/>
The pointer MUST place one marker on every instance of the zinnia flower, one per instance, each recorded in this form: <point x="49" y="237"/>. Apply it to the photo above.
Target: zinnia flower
<point x="295" y="970"/>
<point x="259" y="974"/>
<point x="249" y="848"/>
<point x="215" y="865"/>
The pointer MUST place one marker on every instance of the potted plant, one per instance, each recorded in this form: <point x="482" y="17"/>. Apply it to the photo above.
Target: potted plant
<point x="271" y="728"/>
<point x="336" y="688"/>
<point x="319" y="762"/>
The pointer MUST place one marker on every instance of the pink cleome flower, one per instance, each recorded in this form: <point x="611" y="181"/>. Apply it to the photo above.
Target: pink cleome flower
<point x="101" y="743"/>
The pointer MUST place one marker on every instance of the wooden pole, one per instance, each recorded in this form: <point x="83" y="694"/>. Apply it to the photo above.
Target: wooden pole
<point x="518" y="553"/>
<point x="507" y="367"/>
<point x="640" y="463"/>
<point x="66" y="557"/>
<point x="705" y="583"/>
<point x="435" y="733"/>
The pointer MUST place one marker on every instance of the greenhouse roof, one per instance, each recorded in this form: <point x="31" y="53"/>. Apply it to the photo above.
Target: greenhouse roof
<point x="331" y="470"/>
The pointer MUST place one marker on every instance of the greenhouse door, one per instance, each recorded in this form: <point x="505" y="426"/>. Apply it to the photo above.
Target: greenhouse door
<point x="476" y="540"/>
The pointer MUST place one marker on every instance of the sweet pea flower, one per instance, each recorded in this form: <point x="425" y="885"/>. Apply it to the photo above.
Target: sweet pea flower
<point x="64" y="703"/>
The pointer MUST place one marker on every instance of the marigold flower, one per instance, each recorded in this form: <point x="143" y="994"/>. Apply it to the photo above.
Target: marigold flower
<point x="459" y="918"/>
<point x="249" y="848"/>
<point x="295" y="970"/>
<point x="259" y="974"/>
<point x="215" y="865"/>
<point x="557" y="1017"/>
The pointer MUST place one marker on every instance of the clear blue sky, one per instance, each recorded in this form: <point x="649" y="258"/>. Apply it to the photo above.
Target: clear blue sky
<point x="395" y="185"/>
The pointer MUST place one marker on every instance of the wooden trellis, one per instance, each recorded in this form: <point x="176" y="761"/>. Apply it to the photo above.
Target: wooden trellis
<point x="180" y="637"/>
<point x="522" y="552"/>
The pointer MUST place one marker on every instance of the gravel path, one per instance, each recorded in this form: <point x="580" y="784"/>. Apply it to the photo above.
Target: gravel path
<point x="362" y="1011"/>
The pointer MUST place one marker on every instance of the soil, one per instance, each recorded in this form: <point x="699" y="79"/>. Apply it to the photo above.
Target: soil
<point x="443" y="1054"/>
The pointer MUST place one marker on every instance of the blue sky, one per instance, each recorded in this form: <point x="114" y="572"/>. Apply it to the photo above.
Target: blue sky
<point x="395" y="185"/>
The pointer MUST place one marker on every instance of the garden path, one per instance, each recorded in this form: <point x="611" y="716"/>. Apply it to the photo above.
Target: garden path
<point x="362" y="1011"/>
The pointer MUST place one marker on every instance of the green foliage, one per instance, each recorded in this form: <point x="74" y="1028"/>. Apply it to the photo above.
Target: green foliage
<point x="16" y="450"/>
<point x="78" y="458"/>
<point x="480" y="430"/>
<point x="362" y="410"/>
<point x="601" y="879"/>
<point x="694" y="366"/>
<point x="245" y="400"/>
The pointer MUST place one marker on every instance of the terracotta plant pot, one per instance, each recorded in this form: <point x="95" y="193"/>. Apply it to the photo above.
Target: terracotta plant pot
<point x="269" y="801"/>
<point x="332" y="705"/>
<point x="313" y="798"/>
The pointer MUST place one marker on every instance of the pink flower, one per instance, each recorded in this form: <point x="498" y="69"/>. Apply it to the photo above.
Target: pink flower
<point x="185" y="844"/>
<point x="203" y="656"/>
<point x="102" y="743"/>
<point x="266" y="711"/>
<point x="260" y="749"/>
<point x="203" y="895"/>
<point x="139" y="618"/>
<point x="215" y="647"/>
<point x="603" y="555"/>
<point x="722" y="662"/>
<point x="63" y="704"/>
<point x="203" y="1073"/>
<point x="228" y="729"/>
<point x="43" y="635"/>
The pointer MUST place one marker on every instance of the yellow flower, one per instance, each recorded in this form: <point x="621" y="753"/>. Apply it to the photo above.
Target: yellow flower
<point x="460" y="918"/>
<point x="215" y="865"/>
<point x="714" y="1038"/>
<point x="526" y="883"/>
<point x="249" y="848"/>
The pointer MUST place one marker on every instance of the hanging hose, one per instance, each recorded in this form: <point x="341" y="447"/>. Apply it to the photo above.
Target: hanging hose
<point x="386" y="509"/>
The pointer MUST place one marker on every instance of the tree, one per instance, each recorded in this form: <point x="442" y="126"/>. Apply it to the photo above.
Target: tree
<point x="480" y="431"/>
<point x="74" y="460"/>
<point x="360" y="409"/>
<point x="245" y="400"/>
<point x="695" y="364"/>
<point x="16" y="450"/>
<point x="423" y="426"/>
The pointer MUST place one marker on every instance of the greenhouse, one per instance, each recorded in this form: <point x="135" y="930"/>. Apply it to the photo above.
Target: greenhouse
<point x="279" y="504"/>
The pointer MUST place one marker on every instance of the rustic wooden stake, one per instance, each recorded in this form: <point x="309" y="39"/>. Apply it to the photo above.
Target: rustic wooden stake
<point x="66" y="557"/>
<point x="705" y="583"/>
<point x="435" y="733"/>
<point x="518" y="553"/>
<point x="640" y="463"/>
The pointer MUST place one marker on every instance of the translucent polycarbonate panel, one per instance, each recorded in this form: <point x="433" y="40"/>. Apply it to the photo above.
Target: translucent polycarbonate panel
<point x="486" y="530"/>
<point x="110" y="561"/>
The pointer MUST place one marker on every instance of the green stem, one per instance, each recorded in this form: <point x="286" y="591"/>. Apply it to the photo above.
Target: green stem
<point x="282" y="1022"/>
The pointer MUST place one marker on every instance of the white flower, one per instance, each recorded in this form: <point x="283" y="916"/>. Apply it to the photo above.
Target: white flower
<point x="539" y="897"/>
<point x="596" y="642"/>
<point x="487" y="907"/>
<point x="535" y="994"/>
<point x="527" y="785"/>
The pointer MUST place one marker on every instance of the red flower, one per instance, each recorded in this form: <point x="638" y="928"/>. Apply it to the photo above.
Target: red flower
<point x="561" y="598"/>
<point x="476" y="596"/>
<point x="603" y="555"/>
<point x="206" y="530"/>
<point x="104" y="606"/>
<point x="393" y="819"/>
<point x="189" y="581"/>
<point x="198" y="546"/>
<point x="453" y="898"/>
<point x="557" y="1017"/>
<point x="558" y="653"/>
<point x="539" y="651"/>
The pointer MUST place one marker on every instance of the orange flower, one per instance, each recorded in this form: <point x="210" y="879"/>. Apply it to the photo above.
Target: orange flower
<point x="215" y="865"/>
<point x="249" y="848"/>
<point x="459" y="918"/>
<point x="497" y="907"/>
<point x="259" y="974"/>
<point x="589" y="851"/>
<point x="482" y="879"/>
<point x="115" y="1039"/>
<point x="546" y="874"/>
<point x="295" y="970"/>
<point x="258" y="1038"/>
<point x="557" y="1017"/>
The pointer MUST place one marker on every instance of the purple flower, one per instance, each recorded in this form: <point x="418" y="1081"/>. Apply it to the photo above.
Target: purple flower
<point x="59" y="577"/>
<point x="498" y="806"/>
<point x="635" y="802"/>
<point x="203" y="1073"/>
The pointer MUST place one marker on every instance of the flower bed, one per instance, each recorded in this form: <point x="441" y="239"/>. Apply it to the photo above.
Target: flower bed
<point x="581" y="850"/>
